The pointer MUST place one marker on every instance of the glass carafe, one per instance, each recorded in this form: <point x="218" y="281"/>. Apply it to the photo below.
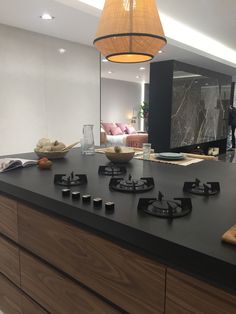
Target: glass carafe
<point x="88" y="147"/>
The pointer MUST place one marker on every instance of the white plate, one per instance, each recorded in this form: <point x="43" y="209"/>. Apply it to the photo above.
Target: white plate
<point x="171" y="156"/>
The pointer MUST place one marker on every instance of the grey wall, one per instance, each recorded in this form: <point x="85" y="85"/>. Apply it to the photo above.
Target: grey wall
<point x="44" y="93"/>
<point x="118" y="99"/>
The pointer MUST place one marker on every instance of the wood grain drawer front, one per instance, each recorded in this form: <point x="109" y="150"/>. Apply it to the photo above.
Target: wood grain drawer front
<point x="185" y="294"/>
<point x="8" y="217"/>
<point x="9" y="261"/>
<point x="56" y="293"/>
<point x="14" y="301"/>
<point x="10" y="298"/>
<point x="129" y="280"/>
<point x="30" y="307"/>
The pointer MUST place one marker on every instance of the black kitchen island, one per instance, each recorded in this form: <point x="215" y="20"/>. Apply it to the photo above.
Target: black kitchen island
<point x="190" y="245"/>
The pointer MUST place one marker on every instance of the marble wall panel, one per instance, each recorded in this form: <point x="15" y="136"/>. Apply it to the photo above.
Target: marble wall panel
<point x="199" y="110"/>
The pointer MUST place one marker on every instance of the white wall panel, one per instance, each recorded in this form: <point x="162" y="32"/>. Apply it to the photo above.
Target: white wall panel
<point x="119" y="99"/>
<point x="45" y="93"/>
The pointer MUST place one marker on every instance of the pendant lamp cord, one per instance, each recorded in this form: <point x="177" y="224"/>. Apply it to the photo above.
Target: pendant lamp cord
<point x="131" y="8"/>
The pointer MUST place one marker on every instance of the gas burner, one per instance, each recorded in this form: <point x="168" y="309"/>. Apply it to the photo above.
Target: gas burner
<point x="178" y="207"/>
<point x="198" y="188"/>
<point x="111" y="170"/>
<point x="132" y="186"/>
<point x="71" y="180"/>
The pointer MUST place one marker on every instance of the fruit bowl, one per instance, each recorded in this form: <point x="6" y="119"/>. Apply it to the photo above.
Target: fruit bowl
<point x="52" y="150"/>
<point x="124" y="155"/>
<point x="52" y="155"/>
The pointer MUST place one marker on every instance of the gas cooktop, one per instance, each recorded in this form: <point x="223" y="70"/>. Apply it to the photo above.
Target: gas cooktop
<point x="159" y="207"/>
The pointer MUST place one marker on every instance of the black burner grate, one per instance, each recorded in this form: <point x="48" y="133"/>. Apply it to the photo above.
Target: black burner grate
<point x="111" y="170"/>
<point x="71" y="180"/>
<point x="132" y="186"/>
<point x="176" y="208"/>
<point x="198" y="188"/>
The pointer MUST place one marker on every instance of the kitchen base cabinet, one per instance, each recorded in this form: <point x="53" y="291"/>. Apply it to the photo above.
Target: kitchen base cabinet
<point x="14" y="301"/>
<point x="53" y="266"/>
<point x="129" y="280"/>
<point x="185" y="294"/>
<point x="8" y="218"/>
<point x="10" y="260"/>
<point x="57" y="293"/>
<point x="30" y="307"/>
<point x="10" y="298"/>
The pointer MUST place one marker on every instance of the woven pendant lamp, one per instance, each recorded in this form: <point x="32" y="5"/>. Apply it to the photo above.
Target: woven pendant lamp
<point x="129" y="31"/>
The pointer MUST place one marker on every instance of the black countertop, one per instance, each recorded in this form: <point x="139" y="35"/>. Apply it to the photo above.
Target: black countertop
<point x="191" y="244"/>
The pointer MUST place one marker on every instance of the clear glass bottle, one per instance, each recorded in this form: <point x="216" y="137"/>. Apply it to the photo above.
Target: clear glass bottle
<point x="88" y="147"/>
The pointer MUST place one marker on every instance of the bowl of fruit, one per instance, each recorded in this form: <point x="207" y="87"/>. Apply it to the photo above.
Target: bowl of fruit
<point x="52" y="150"/>
<point x="119" y="154"/>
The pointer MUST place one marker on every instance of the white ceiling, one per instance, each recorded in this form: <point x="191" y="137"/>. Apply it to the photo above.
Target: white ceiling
<point x="77" y="22"/>
<point x="215" y="18"/>
<point x="70" y="23"/>
<point x="129" y="72"/>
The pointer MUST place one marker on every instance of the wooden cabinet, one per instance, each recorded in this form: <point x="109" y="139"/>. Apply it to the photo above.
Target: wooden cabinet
<point x="10" y="298"/>
<point x="129" y="280"/>
<point x="185" y="294"/>
<point x="13" y="301"/>
<point x="8" y="217"/>
<point x="9" y="260"/>
<point x="30" y="307"/>
<point x="101" y="270"/>
<point x="57" y="293"/>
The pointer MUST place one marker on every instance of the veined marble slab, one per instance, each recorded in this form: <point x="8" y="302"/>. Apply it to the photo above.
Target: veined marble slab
<point x="199" y="110"/>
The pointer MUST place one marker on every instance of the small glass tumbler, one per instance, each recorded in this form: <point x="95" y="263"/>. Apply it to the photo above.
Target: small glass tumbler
<point x="146" y="150"/>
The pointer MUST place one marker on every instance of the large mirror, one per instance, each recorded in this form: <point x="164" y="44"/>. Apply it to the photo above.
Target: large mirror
<point x="124" y="104"/>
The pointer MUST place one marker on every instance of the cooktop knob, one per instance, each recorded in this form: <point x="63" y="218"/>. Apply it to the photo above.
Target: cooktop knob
<point x="86" y="198"/>
<point x="65" y="192"/>
<point x="75" y="195"/>
<point x="110" y="206"/>
<point x="97" y="202"/>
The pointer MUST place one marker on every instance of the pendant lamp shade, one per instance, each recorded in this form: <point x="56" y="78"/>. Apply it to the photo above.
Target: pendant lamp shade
<point x="129" y="31"/>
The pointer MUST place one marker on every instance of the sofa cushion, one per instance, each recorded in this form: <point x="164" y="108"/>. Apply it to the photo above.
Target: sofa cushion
<point x="123" y="127"/>
<point x="116" y="131"/>
<point x="131" y="130"/>
<point x="107" y="127"/>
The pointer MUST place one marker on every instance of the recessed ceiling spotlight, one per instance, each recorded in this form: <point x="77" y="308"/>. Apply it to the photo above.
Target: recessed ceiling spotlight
<point x="47" y="17"/>
<point x="138" y="77"/>
<point x="160" y="51"/>
<point x="142" y="68"/>
<point x="110" y="72"/>
<point x="62" y="51"/>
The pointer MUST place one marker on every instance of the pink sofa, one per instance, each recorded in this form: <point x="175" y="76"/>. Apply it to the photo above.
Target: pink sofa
<point x="124" y="135"/>
<point x="137" y="140"/>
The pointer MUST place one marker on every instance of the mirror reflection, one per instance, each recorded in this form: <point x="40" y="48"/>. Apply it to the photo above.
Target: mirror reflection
<point x="124" y="104"/>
